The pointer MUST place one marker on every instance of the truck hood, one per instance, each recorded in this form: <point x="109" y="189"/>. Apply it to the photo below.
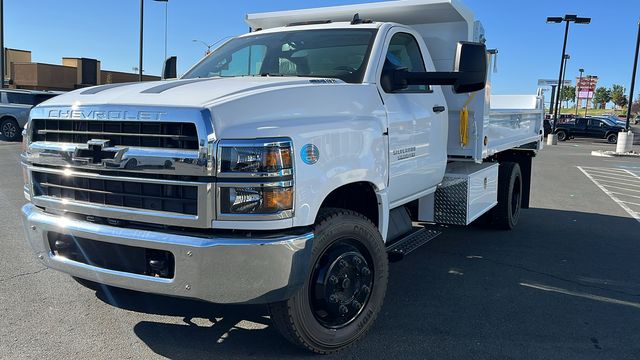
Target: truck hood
<point x="179" y="93"/>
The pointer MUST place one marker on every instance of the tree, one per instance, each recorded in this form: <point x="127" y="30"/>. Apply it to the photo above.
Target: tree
<point x="601" y="97"/>
<point x="635" y="107"/>
<point x="617" y="95"/>
<point x="567" y="94"/>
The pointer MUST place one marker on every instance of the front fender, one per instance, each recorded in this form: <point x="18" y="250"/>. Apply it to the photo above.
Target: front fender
<point x="346" y="122"/>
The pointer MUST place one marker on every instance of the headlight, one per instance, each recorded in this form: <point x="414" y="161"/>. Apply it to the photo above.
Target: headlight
<point x="267" y="199"/>
<point x="255" y="158"/>
<point x="245" y="197"/>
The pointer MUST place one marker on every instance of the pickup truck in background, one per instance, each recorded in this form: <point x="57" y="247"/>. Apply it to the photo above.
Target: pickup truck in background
<point x="590" y="127"/>
<point x="287" y="167"/>
<point x="14" y="110"/>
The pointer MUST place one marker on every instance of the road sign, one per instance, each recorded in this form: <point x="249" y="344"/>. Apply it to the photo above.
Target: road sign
<point x="586" y="86"/>
<point x="544" y="82"/>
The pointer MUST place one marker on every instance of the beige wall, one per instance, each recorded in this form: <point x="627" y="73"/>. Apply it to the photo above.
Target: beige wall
<point x="112" y="77"/>
<point x="14" y="56"/>
<point x="44" y="76"/>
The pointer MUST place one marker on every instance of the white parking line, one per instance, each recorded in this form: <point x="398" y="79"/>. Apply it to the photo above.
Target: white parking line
<point x="620" y="191"/>
<point x="618" y="182"/>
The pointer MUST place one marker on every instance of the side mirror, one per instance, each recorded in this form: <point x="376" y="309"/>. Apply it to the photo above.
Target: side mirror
<point x="470" y="71"/>
<point x="471" y="66"/>
<point x="170" y="68"/>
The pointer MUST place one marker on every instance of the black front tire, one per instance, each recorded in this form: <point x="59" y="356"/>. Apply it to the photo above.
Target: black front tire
<point x="612" y="138"/>
<point x="298" y="318"/>
<point x="10" y="130"/>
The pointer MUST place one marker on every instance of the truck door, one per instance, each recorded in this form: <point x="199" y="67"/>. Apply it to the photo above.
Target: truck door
<point x="596" y="128"/>
<point x="417" y="118"/>
<point x="581" y="127"/>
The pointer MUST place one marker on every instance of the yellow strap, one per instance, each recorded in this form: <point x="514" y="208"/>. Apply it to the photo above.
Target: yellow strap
<point x="464" y="122"/>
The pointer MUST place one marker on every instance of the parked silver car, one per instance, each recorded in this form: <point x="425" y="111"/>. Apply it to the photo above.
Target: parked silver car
<point x="14" y="110"/>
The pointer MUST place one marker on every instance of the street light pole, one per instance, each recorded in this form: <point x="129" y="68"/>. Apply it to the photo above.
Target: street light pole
<point x="578" y="90"/>
<point x="141" y="38"/>
<point x="553" y="96"/>
<point x="557" y="109"/>
<point x="633" y="78"/>
<point x="2" y="52"/>
<point x="564" y="72"/>
<point x="556" y="20"/>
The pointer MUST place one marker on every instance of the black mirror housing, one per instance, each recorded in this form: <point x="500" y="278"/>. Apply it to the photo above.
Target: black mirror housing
<point x="471" y="69"/>
<point x="170" y="68"/>
<point x="471" y="65"/>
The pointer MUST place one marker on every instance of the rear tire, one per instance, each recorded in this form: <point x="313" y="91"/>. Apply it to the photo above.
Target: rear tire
<point x="562" y="135"/>
<point x="505" y="215"/>
<point x="612" y="138"/>
<point x="345" y="289"/>
<point x="10" y="130"/>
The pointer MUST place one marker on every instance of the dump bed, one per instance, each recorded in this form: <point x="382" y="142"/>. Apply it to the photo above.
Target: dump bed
<point x="513" y="121"/>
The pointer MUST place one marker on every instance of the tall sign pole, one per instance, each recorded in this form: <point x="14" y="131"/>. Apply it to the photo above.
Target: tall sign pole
<point x="633" y="78"/>
<point x="578" y="90"/>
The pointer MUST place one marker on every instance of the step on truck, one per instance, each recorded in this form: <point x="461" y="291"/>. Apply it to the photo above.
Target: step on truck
<point x="286" y="167"/>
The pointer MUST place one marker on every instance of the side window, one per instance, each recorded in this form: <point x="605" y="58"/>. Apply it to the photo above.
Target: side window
<point x="20" y="98"/>
<point x="403" y="52"/>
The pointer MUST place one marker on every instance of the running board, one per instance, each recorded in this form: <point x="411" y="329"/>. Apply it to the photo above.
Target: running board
<point x="409" y="243"/>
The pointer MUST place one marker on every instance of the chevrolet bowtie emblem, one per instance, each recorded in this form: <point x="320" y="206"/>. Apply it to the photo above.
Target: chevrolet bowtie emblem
<point x="97" y="151"/>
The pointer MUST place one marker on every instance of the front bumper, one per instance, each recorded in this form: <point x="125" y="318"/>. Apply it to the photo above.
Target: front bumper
<point x="216" y="269"/>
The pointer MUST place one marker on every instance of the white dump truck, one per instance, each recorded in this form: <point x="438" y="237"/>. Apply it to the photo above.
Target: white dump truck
<point x="287" y="167"/>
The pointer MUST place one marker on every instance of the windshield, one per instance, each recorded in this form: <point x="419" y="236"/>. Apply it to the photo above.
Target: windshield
<point x="334" y="53"/>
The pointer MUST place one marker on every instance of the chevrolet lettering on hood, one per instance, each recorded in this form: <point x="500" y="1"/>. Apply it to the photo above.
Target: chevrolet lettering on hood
<point x="85" y="114"/>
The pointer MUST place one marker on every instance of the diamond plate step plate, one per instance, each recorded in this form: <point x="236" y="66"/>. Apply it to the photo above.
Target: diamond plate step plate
<point x="412" y="241"/>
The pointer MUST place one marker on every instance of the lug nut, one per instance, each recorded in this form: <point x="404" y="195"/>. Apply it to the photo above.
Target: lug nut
<point x="366" y="271"/>
<point x="365" y="289"/>
<point x="345" y="283"/>
<point x="357" y="261"/>
<point x="333" y="298"/>
<point x="356" y="305"/>
<point x="333" y="280"/>
<point x="343" y="264"/>
<point x="343" y="310"/>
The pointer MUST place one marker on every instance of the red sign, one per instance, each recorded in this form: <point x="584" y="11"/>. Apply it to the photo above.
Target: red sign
<point x="585" y="86"/>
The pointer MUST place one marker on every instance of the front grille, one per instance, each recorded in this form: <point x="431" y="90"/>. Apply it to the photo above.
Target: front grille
<point x="181" y="199"/>
<point x="119" y="133"/>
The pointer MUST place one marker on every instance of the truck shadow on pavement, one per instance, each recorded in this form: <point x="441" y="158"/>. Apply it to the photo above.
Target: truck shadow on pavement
<point x="555" y="287"/>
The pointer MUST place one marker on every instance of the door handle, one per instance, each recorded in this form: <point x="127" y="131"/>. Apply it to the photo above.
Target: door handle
<point x="439" y="109"/>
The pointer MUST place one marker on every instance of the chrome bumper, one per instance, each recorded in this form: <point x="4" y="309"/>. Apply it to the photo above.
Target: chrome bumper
<point x="217" y="269"/>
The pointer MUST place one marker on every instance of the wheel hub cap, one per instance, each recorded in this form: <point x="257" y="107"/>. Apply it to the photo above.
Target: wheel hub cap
<point x="341" y="285"/>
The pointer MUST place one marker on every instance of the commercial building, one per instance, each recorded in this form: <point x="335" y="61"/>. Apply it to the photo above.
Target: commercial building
<point x="73" y="73"/>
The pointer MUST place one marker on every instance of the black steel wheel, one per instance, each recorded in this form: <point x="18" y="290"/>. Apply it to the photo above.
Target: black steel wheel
<point x="10" y="129"/>
<point x="341" y="284"/>
<point x="612" y="138"/>
<point x="562" y="135"/>
<point x="345" y="288"/>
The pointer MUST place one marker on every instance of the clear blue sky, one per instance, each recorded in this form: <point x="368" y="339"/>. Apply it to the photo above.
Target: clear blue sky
<point x="529" y="48"/>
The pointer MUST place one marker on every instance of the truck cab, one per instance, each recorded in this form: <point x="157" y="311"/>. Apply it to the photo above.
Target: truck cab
<point x="287" y="167"/>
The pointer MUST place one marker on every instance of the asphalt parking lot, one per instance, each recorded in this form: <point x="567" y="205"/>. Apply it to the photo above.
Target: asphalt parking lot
<point x="564" y="285"/>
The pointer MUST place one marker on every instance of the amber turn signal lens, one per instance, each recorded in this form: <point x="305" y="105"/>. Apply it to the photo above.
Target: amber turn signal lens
<point x="278" y="198"/>
<point x="278" y="158"/>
